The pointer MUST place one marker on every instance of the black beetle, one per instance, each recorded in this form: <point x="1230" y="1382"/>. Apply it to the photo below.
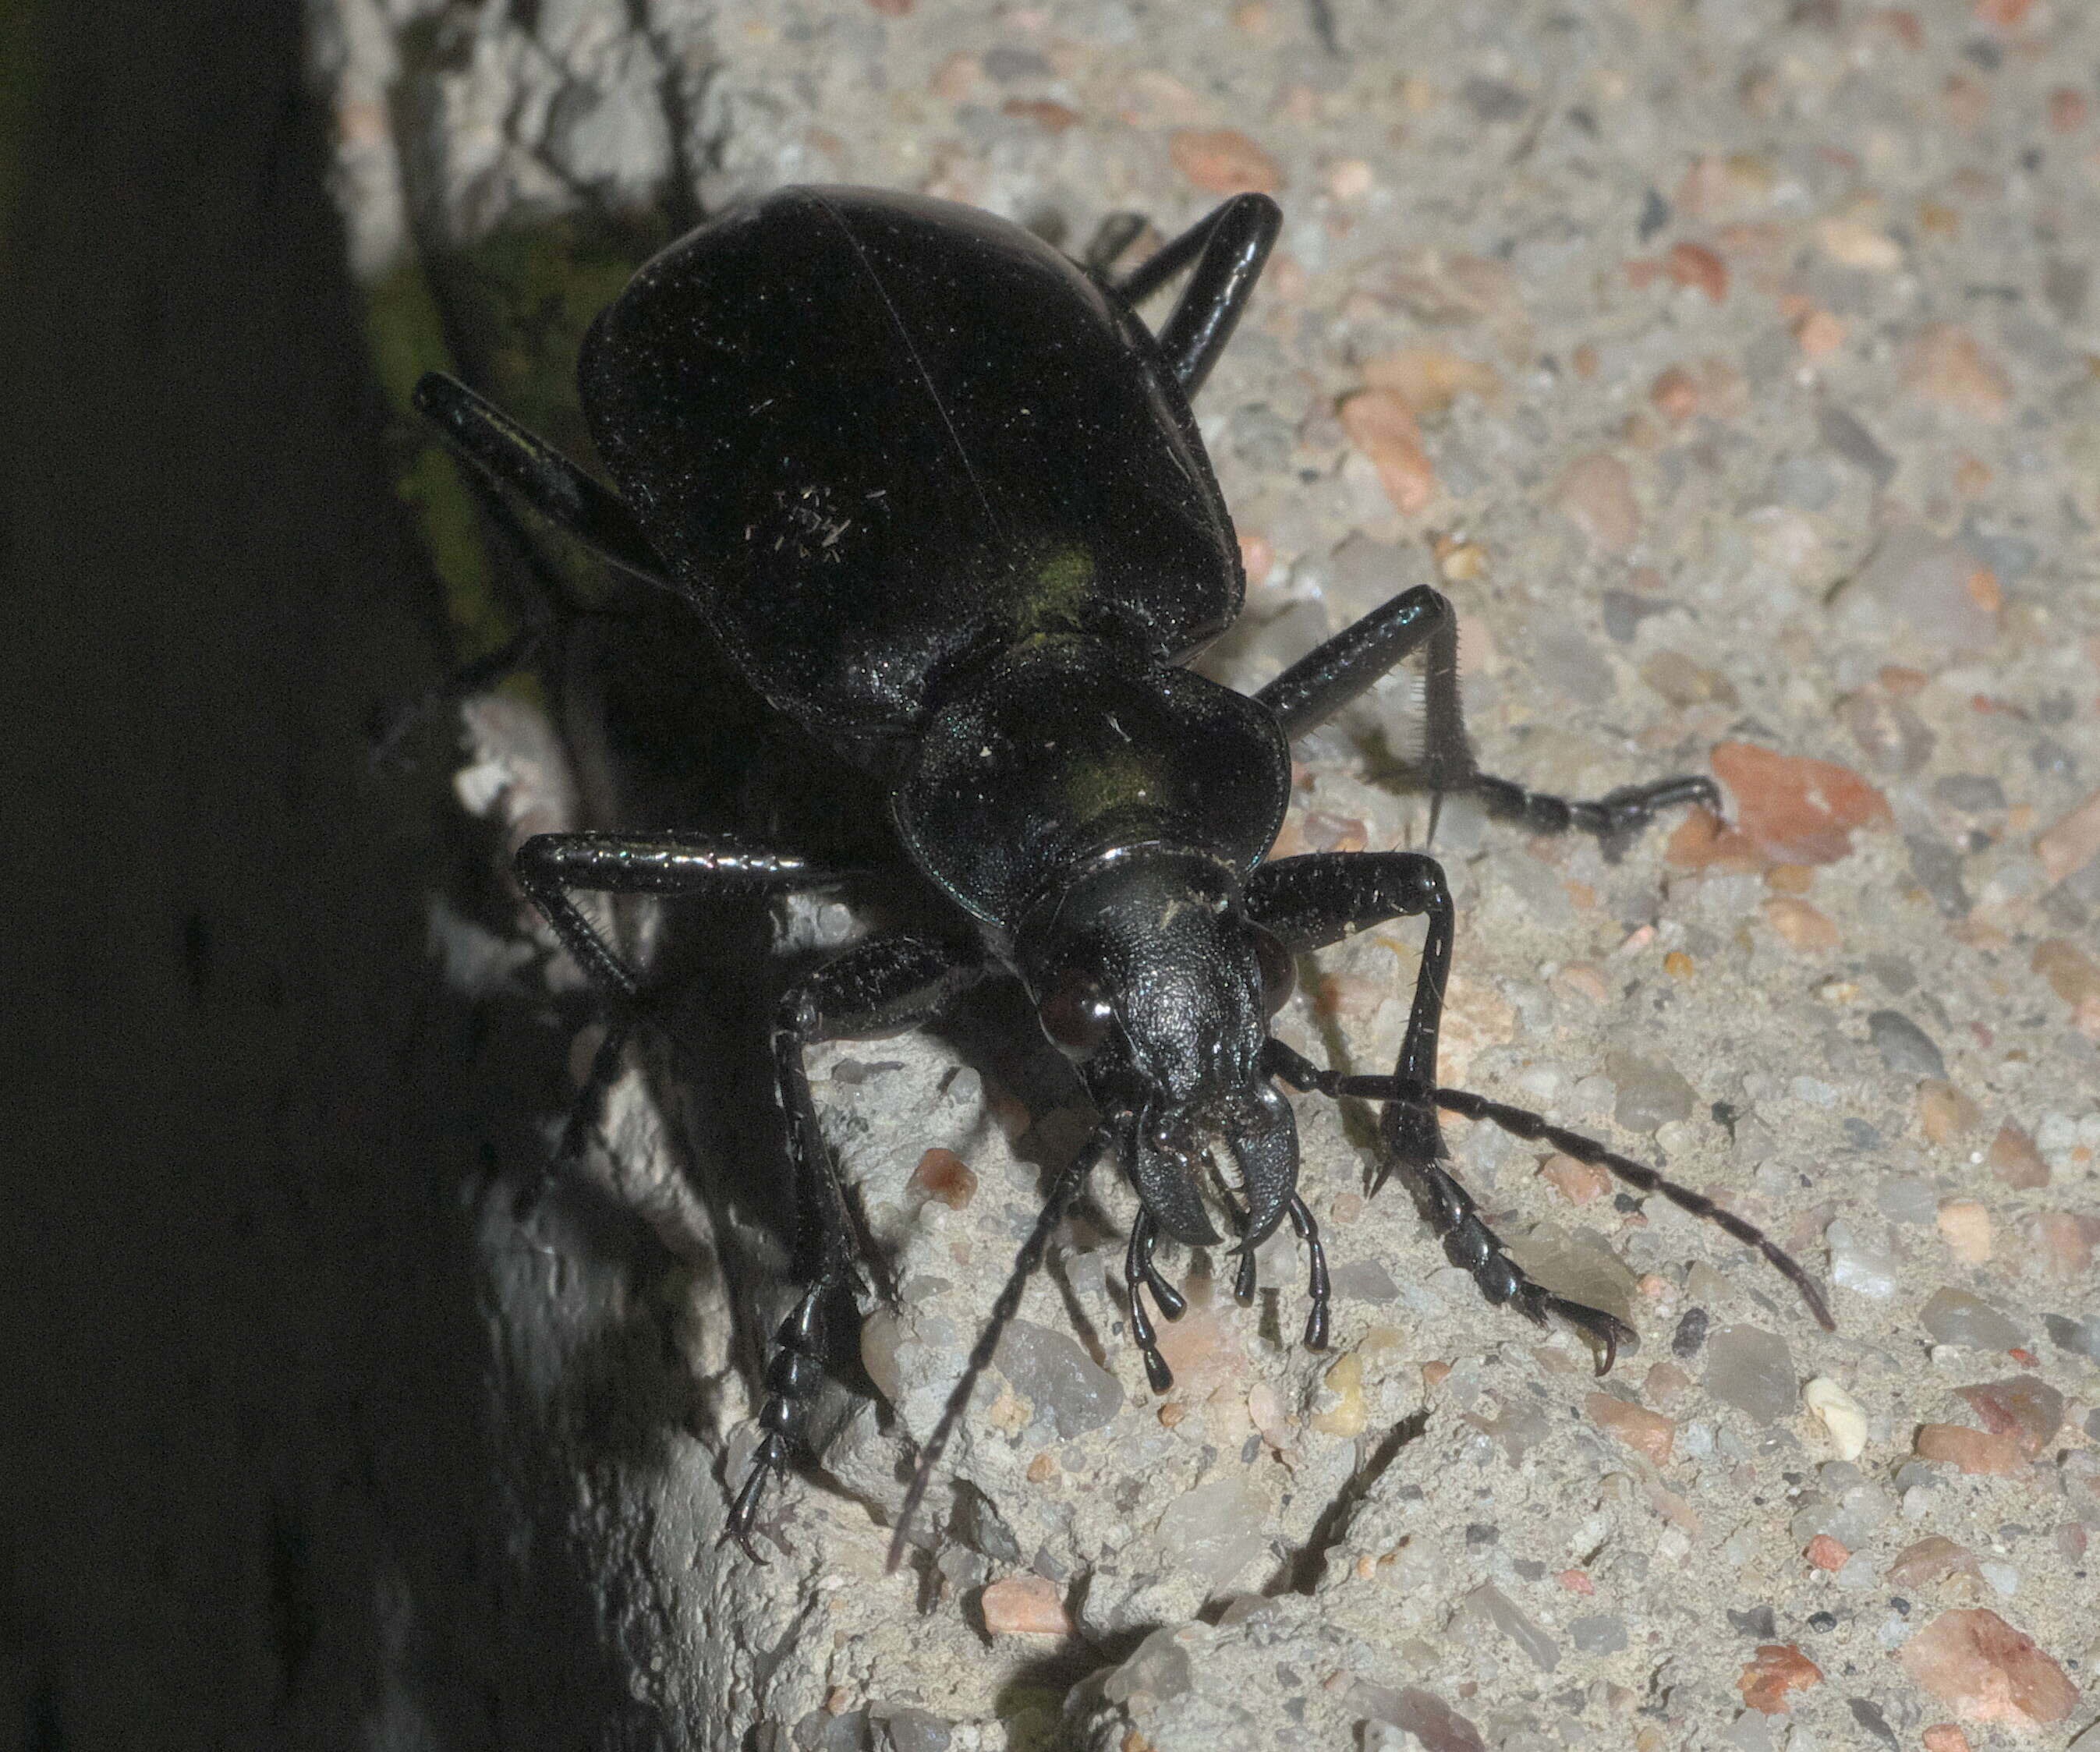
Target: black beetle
<point x="937" y="491"/>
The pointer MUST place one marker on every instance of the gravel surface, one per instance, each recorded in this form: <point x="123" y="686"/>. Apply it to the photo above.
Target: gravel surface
<point x="1733" y="366"/>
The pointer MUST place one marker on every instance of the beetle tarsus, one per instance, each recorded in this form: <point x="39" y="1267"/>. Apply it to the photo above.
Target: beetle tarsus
<point x="1319" y="1288"/>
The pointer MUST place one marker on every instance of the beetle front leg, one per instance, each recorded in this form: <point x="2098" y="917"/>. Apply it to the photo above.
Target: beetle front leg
<point x="884" y="987"/>
<point x="1309" y="901"/>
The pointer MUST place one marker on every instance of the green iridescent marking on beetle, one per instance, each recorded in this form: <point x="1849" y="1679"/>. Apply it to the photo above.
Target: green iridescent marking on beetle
<point x="1104" y="782"/>
<point x="1051" y="596"/>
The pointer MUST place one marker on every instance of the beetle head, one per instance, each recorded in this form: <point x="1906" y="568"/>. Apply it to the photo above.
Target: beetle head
<point x="1147" y="973"/>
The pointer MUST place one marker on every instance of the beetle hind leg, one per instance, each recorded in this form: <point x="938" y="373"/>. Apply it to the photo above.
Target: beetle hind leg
<point x="1225" y="249"/>
<point x="557" y="488"/>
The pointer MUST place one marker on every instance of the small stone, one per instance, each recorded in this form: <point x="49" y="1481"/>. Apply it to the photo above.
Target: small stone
<point x="1380" y="425"/>
<point x="1944" y="1737"/>
<point x="1802" y="925"/>
<point x="1788" y="810"/>
<point x="906" y="1729"/>
<point x="2073" y="843"/>
<point x="1751" y="1370"/>
<point x="1824" y="1552"/>
<point x="1759" y="1622"/>
<point x="1684" y="682"/>
<point x="2079" y="1338"/>
<point x="1945" y="366"/>
<point x="1429" y="380"/>
<point x="1577" y="1181"/>
<point x="1857" y="243"/>
<point x="1224" y="162"/>
<point x="1972" y="793"/>
<point x="1422" y="1713"/>
<point x="1972" y="1451"/>
<point x="1938" y="867"/>
<point x="1778" y="1668"/>
<point x="1492" y="100"/>
<point x="1500" y="1610"/>
<point x="1025" y="1606"/>
<point x="1893" y="737"/>
<point x="2073" y="976"/>
<point x="1965" y="1227"/>
<point x="1347" y="1416"/>
<point x="1904" y="1046"/>
<point x="1675" y="395"/>
<point x="2065" y="1242"/>
<point x="1925" y="584"/>
<point x="1919" y="1565"/>
<point x="1664" y="1383"/>
<point x="1048" y="1368"/>
<point x="1843" y="433"/>
<point x="2025" y="1408"/>
<point x="1840" y="1413"/>
<point x="2018" y="1162"/>
<point x="1987" y="1671"/>
<point x="1864" y="1270"/>
<point x="1651" y="1093"/>
<point x="1600" y="1633"/>
<point x="1945" y="1112"/>
<point x="1690" y="1334"/>
<point x="1645" y="1431"/>
<point x="1597" y="494"/>
<point x="1691" y="264"/>
<point x="943" y="1174"/>
<point x="1955" y="1317"/>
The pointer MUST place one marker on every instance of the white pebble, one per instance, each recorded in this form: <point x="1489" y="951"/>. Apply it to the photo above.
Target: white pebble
<point x="1839" y="1412"/>
<point x="2002" y="1576"/>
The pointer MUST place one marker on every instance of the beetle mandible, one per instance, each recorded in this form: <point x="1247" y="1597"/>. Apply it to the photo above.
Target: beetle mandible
<point x="937" y="490"/>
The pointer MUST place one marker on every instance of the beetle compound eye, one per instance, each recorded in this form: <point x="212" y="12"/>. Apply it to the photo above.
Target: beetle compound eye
<point x="1076" y="1015"/>
<point x="1279" y="971"/>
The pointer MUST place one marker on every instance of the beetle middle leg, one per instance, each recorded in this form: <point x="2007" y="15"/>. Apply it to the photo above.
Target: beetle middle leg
<point x="1309" y="901"/>
<point x="1326" y="678"/>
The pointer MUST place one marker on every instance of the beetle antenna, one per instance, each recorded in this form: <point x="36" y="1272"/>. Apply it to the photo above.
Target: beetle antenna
<point x="1520" y="1122"/>
<point x="1062" y="1191"/>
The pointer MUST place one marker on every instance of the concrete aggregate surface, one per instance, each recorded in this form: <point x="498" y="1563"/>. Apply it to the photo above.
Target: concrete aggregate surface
<point x="1735" y="369"/>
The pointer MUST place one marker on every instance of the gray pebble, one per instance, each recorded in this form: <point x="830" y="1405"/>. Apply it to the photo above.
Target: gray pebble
<point x="1852" y="441"/>
<point x="1972" y="793"/>
<point x="1048" y="1369"/>
<point x="1492" y="100"/>
<point x="2081" y="1338"/>
<point x="1903" y="1045"/>
<point x="1651" y="1093"/>
<point x="1804" y="483"/>
<point x="1955" y="1317"/>
<point x="2052" y="760"/>
<point x="1599" y="1634"/>
<point x="1506" y="1616"/>
<point x="1363" y="1280"/>
<point x="1751" y="1370"/>
<point x="1567" y="662"/>
<point x="1690" y="1335"/>
<point x="1892" y="736"/>
<point x="905" y="1729"/>
<point x="1938" y="867"/>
